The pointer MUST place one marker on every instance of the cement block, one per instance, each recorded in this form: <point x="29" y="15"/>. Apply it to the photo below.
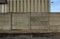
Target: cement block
<point x="5" y="21"/>
<point x="38" y="19"/>
<point x="54" y="20"/>
<point x="21" y="21"/>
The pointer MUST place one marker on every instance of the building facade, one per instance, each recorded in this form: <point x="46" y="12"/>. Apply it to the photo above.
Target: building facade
<point x="29" y="16"/>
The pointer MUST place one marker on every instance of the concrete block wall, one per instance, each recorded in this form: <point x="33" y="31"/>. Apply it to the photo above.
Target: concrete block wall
<point x="27" y="21"/>
<point x="36" y="16"/>
<point x="43" y="22"/>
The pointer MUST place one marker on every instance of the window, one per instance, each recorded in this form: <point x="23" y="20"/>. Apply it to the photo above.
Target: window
<point x="54" y="5"/>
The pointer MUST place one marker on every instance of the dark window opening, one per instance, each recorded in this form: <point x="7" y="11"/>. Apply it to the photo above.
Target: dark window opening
<point x="3" y="1"/>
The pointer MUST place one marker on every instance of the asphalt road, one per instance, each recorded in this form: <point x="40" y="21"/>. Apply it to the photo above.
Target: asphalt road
<point x="29" y="37"/>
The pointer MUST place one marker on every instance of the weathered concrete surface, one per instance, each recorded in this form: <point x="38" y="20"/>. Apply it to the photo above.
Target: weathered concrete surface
<point x="34" y="22"/>
<point x="39" y="21"/>
<point x="5" y="21"/>
<point x="54" y="19"/>
<point x="54" y="22"/>
<point x="21" y="21"/>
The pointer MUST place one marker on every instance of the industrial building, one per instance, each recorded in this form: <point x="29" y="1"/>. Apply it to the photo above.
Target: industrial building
<point x="28" y="16"/>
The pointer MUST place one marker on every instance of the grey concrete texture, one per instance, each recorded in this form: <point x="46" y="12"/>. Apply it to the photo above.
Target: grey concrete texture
<point x="54" y="19"/>
<point x="5" y="21"/>
<point x="38" y="19"/>
<point x="42" y="21"/>
<point x="25" y="20"/>
<point x="21" y="21"/>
